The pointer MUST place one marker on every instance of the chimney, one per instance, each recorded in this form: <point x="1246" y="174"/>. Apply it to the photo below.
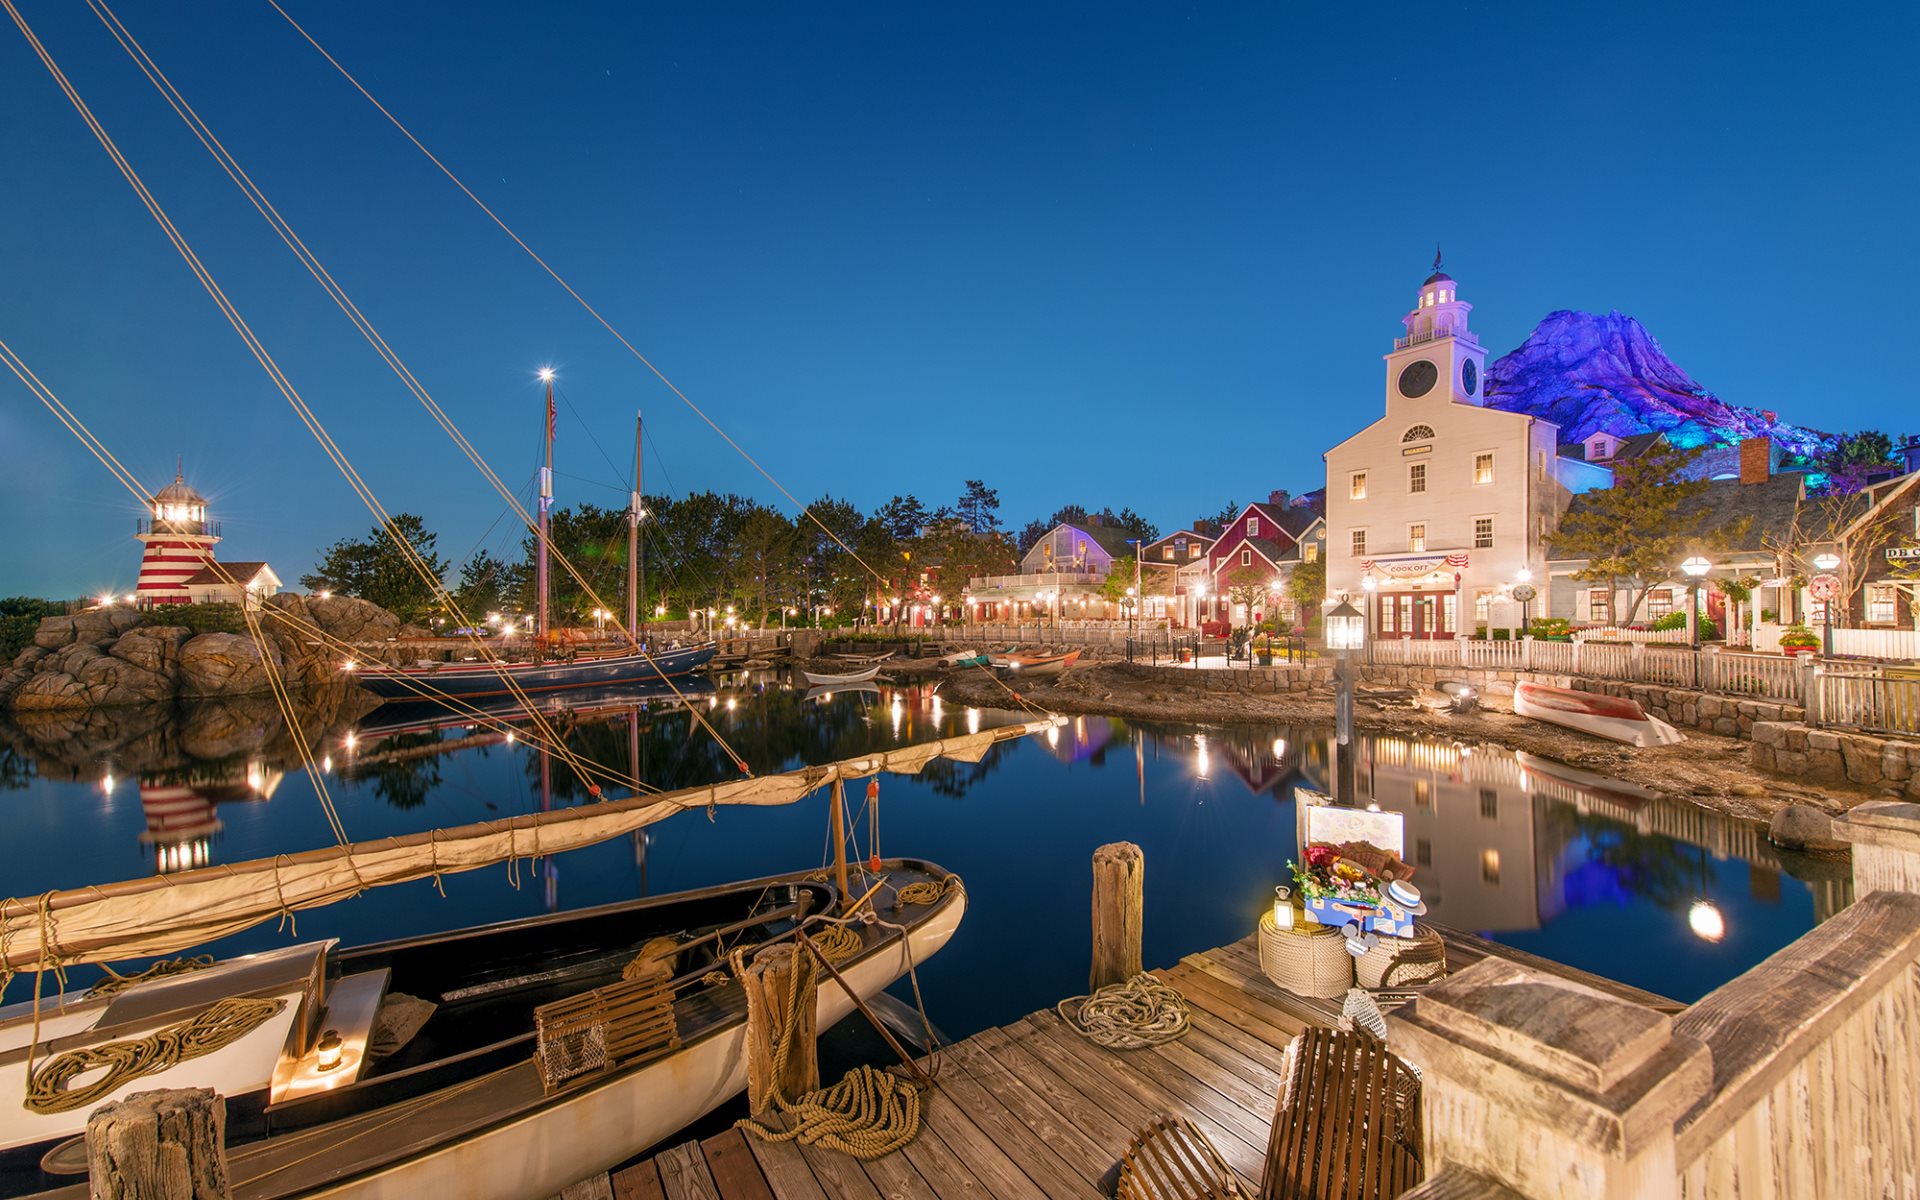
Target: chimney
<point x="1756" y="459"/>
<point x="1203" y="527"/>
<point x="1911" y="453"/>
<point x="1278" y="499"/>
<point x="1095" y="520"/>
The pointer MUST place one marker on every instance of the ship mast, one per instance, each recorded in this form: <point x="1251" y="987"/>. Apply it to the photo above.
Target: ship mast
<point x="636" y="571"/>
<point x="546" y="509"/>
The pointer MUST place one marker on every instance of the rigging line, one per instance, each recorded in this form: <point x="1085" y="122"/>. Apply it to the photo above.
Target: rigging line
<point x="578" y="298"/>
<point x="285" y="386"/>
<point x="590" y="437"/>
<point x="612" y="487"/>
<point x="265" y="208"/>
<point x="126" y="478"/>
<point x="285" y="231"/>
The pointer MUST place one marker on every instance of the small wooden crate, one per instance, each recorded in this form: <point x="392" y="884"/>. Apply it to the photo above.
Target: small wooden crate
<point x="1307" y="960"/>
<point x="1172" y="1160"/>
<point x="605" y="1028"/>
<point x="1404" y="962"/>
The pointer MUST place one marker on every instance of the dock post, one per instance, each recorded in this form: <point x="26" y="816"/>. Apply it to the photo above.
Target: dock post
<point x="169" y="1144"/>
<point x="1118" y="912"/>
<point x="773" y="1014"/>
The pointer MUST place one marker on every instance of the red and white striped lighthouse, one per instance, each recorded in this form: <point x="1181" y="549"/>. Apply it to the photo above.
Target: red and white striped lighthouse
<point x="178" y="541"/>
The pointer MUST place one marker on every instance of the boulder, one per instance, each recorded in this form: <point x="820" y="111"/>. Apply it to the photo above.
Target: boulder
<point x="352" y="620"/>
<point x="80" y="676"/>
<point x="95" y="627"/>
<point x="224" y="664"/>
<point x="154" y="647"/>
<point x="1803" y="827"/>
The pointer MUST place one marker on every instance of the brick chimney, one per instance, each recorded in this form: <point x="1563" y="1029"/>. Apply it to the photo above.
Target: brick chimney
<point x="1278" y="499"/>
<point x="1203" y="527"/>
<point x="1756" y="459"/>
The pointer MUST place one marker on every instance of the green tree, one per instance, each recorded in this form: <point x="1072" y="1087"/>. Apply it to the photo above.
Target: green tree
<point x="375" y="569"/>
<point x="1635" y="533"/>
<point x="1136" y="525"/>
<point x="1307" y="586"/>
<point x="19" y="619"/>
<point x="979" y="507"/>
<point x="489" y="584"/>
<point x="1248" y="586"/>
<point x="904" y="516"/>
<point x="957" y="555"/>
<point x="765" y="558"/>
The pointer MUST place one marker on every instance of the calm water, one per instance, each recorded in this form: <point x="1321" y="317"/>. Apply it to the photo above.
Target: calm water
<point x="1596" y="876"/>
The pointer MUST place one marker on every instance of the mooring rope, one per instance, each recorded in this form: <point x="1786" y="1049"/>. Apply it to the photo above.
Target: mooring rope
<point x="116" y="983"/>
<point x="219" y="1026"/>
<point x="1129" y="1016"/>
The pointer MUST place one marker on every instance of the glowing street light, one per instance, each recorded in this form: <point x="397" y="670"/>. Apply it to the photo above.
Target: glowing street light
<point x="1695" y="569"/>
<point x="1827" y="563"/>
<point x="546" y="374"/>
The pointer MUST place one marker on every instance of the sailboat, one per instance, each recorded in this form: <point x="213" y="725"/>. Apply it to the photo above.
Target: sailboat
<point x="553" y="669"/>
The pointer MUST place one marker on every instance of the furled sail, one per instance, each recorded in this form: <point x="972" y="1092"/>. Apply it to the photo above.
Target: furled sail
<point x="165" y="914"/>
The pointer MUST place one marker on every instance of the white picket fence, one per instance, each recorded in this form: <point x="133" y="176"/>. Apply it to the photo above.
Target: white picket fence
<point x="1712" y="669"/>
<point x="1902" y="644"/>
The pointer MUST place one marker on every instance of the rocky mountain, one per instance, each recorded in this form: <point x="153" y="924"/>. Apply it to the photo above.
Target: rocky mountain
<point x="1589" y="374"/>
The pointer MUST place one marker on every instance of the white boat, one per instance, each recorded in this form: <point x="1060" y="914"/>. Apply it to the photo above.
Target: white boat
<point x="463" y="1101"/>
<point x="1614" y="717"/>
<point x="815" y="679"/>
<point x="824" y="694"/>
<point x="1032" y="665"/>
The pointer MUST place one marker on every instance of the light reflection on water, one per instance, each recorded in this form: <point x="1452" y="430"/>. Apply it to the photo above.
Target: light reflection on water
<point x="1534" y="854"/>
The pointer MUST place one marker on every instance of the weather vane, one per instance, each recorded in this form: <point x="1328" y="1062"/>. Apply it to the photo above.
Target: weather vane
<point x="1436" y="257"/>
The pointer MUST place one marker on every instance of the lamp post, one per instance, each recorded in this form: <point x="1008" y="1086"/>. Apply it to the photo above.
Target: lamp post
<point x="1369" y="585"/>
<point x="1695" y="569"/>
<point x="1346" y="631"/>
<point x="1827" y="563"/>
<point x="1523" y="591"/>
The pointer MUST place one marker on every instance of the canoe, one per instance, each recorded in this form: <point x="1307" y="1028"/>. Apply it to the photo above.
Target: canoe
<point x="965" y="658"/>
<point x="478" y="680"/>
<point x="461" y="1101"/>
<point x="1614" y="717"/>
<point x="1031" y="665"/>
<point x="818" y="680"/>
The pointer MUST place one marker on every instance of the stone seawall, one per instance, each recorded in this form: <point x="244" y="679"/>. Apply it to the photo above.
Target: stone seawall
<point x="1829" y="756"/>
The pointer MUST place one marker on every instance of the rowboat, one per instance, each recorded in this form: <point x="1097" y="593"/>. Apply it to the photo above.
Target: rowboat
<point x="479" y="680"/>
<point x="462" y="1097"/>
<point x="824" y="694"/>
<point x="965" y="658"/>
<point x="1614" y="717"/>
<point x="815" y="679"/>
<point x="1031" y="665"/>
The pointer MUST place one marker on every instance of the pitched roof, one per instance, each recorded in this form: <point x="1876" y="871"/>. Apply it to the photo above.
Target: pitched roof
<point x="1628" y="447"/>
<point x="1769" y="508"/>
<point x="238" y="572"/>
<point x="1111" y="538"/>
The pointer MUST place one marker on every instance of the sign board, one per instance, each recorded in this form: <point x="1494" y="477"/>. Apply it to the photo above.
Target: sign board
<point x="1524" y="592"/>
<point x="1902" y="553"/>
<point x="1824" y="587"/>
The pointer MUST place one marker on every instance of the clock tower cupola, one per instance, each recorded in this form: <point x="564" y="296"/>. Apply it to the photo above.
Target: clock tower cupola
<point x="1438" y="359"/>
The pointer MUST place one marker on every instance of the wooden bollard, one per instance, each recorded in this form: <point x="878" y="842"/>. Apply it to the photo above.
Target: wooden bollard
<point x="159" y="1145"/>
<point x="1118" y="912"/>
<point x="769" y="988"/>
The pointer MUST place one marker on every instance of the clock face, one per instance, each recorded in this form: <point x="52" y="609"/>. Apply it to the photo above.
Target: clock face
<point x="1418" y="379"/>
<point x="1469" y="377"/>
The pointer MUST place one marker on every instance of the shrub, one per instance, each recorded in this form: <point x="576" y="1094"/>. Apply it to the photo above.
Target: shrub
<point x="1673" y="620"/>
<point x="19" y="617"/>
<point x="1549" y="627"/>
<point x="201" y="618"/>
<point x="1798" y="635"/>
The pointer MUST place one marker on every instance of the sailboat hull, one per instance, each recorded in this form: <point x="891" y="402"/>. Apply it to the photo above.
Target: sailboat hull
<point x="474" y="681"/>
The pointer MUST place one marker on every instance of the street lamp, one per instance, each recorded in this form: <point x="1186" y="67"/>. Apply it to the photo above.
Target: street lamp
<point x="1695" y="568"/>
<point x="1827" y="563"/>
<point x="1346" y="631"/>
<point x="1131" y="600"/>
<point x="1369" y="585"/>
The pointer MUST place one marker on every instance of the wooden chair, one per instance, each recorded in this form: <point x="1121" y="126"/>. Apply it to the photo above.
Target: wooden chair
<point x="1346" y="1127"/>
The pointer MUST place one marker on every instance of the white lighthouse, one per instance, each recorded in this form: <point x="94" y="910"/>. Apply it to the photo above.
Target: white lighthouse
<point x="178" y="542"/>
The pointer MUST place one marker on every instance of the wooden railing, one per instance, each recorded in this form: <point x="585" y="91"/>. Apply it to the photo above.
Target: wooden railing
<point x="1870" y="703"/>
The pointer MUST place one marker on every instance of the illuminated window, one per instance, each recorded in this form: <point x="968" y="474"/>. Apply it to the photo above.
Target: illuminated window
<point x="1482" y="533"/>
<point x="1253" y="526"/>
<point x="1489" y="804"/>
<point x="1195" y="552"/>
<point x="1359" y="542"/>
<point x="1416" y="538"/>
<point x="1419" y="433"/>
<point x="1880" y="604"/>
<point x="1490" y="865"/>
<point x="1310" y="552"/>
<point x="1597" y="606"/>
<point x="1167" y="553"/>
<point x="1483" y="605"/>
<point x="1483" y="468"/>
<point x="1357" y="490"/>
<point x="1659" y="602"/>
<point x="1423" y="793"/>
<point x="1417" y="477"/>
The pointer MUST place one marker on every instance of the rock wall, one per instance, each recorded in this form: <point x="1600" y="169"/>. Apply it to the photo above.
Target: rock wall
<point x="1829" y="756"/>
<point x="118" y="656"/>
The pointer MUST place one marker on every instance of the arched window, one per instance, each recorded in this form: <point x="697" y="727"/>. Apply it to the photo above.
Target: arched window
<point x="1419" y="433"/>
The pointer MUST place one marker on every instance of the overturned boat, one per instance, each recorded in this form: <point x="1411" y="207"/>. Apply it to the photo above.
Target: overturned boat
<point x="1031" y="665"/>
<point x="1614" y="717"/>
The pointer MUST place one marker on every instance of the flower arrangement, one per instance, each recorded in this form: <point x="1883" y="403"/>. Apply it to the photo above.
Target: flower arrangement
<point x="1326" y="875"/>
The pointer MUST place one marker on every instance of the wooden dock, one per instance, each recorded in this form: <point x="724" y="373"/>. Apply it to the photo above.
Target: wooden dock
<point x="1033" y="1110"/>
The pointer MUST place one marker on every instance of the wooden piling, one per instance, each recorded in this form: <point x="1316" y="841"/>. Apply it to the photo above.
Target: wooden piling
<point x="773" y="1013"/>
<point x="159" y="1145"/>
<point x="1118" y="913"/>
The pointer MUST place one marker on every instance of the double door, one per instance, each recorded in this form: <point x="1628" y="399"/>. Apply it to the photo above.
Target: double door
<point x="1419" y="615"/>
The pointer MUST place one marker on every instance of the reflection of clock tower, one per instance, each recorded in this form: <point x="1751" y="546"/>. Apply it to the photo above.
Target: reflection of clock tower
<point x="1439" y="358"/>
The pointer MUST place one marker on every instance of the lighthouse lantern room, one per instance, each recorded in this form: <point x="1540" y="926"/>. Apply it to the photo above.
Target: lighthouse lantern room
<point x="178" y="542"/>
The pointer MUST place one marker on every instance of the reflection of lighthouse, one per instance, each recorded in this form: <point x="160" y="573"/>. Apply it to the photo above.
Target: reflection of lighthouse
<point x="182" y="818"/>
<point x="178" y="542"/>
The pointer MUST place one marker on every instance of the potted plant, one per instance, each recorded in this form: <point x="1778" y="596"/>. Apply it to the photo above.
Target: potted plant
<point x="1798" y="639"/>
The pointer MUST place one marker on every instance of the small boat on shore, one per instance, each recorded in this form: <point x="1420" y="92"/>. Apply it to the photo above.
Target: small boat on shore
<point x="1031" y="665"/>
<point x="481" y="680"/>
<point x="965" y="658"/>
<point x="1613" y="717"/>
<point x="815" y="679"/>
<point x="468" y="1092"/>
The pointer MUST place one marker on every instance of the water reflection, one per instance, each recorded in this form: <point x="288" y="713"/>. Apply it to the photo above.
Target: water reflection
<point x="1565" y="864"/>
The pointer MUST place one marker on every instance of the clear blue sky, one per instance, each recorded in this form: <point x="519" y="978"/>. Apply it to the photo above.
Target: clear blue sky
<point x="1143" y="255"/>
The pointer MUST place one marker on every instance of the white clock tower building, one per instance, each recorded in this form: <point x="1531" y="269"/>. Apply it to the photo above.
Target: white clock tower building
<point x="1438" y="510"/>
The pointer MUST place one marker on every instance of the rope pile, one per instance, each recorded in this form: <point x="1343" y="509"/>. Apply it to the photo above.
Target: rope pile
<point x="218" y="1027"/>
<point x="925" y="891"/>
<point x="116" y="983"/>
<point x="1128" y="1016"/>
<point x="837" y="942"/>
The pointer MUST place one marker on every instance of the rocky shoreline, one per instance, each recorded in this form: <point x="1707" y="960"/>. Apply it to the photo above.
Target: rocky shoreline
<point x="1708" y="770"/>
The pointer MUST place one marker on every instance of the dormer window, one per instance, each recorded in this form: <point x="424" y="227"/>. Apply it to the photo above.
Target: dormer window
<point x="1602" y="449"/>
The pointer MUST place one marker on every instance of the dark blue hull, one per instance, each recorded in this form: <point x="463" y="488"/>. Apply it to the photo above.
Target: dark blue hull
<point x="475" y="681"/>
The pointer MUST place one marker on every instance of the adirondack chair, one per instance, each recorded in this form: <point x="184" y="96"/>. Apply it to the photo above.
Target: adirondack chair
<point x="1346" y="1127"/>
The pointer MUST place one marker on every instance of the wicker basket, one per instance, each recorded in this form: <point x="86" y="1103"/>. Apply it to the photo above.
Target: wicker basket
<point x="1307" y="960"/>
<point x="1403" y="962"/>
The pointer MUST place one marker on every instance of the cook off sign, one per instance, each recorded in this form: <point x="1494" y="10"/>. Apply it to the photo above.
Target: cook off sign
<point x="1406" y="568"/>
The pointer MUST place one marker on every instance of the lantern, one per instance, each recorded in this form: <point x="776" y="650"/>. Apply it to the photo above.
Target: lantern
<point x="1346" y="628"/>
<point x="1283" y="908"/>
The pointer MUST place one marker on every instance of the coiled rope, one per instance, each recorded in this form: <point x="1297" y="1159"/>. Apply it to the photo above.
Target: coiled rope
<point x="837" y="942"/>
<point x="116" y="983"/>
<point x="1128" y="1016"/>
<point x="868" y="1114"/>
<point x="219" y="1026"/>
<point x="927" y="891"/>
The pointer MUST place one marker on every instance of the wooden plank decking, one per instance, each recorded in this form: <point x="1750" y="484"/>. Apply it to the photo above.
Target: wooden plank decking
<point x="1030" y="1110"/>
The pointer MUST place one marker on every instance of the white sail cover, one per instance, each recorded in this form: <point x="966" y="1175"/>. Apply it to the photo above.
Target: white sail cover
<point x="169" y="913"/>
